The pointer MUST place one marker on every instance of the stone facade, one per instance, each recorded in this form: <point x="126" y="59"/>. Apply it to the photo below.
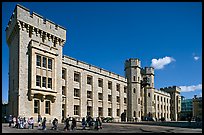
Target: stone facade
<point x="44" y="81"/>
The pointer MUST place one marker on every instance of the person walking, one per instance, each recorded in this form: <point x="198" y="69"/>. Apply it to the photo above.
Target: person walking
<point x="10" y="119"/>
<point x="73" y="124"/>
<point x="96" y="124"/>
<point x="66" y="124"/>
<point x="14" y="121"/>
<point x="39" y="121"/>
<point x="100" y="122"/>
<point x="83" y="123"/>
<point x="44" y="124"/>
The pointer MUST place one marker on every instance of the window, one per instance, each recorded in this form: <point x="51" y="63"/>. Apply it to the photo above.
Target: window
<point x="63" y="73"/>
<point x="38" y="61"/>
<point x="36" y="106"/>
<point x="89" y="110"/>
<point x="118" y="112"/>
<point x="158" y="106"/>
<point x="134" y="115"/>
<point x="118" y="87"/>
<point x="38" y="80"/>
<point x="134" y="90"/>
<point x="63" y="90"/>
<point x="164" y="99"/>
<point x="76" y="92"/>
<point x="109" y="111"/>
<point x="154" y="97"/>
<point x="138" y="100"/>
<point x="76" y="77"/>
<point x="100" y="83"/>
<point x="100" y="96"/>
<point x="157" y="98"/>
<point x="134" y="78"/>
<point x="109" y="97"/>
<point x="161" y="98"/>
<point x="125" y="100"/>
<point x="161" y="107"/>
<point x="109" y="85"/>
<point x="76" y="110"/>
<point x="89" y="80"/>
<point x="125" y="89"/>
<point x="167" y="100"/>
<point x="89" y="94"/>
<point x="100" y="111"/>
<point x="148" y="94"/>
<point x="44" y="82"/>
<point x="44" y="62"/>
<point x="167" y="108"/>
<point x="47" y="107"/>
<point x="164" y="107"/>
<point x="50" y="83"/>
<point x="118" y="99"/>
<point x="49" y="63"/>
<point x="139" y="113"/>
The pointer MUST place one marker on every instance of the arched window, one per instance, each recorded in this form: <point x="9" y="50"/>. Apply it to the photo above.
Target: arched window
<point x="134" y="90"/>
<point x="134" y="114"/>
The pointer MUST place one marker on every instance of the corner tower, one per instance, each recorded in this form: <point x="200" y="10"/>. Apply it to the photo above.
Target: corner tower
<point x="35" y="64"/>
<point x="133" y="75"/>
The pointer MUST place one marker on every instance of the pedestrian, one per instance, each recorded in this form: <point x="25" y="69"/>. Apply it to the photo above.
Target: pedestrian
<point x="44" y="124"/>
<point x="67" y="125"/>
<point x="73" y="124"/>
<point x="24" y="122"/>
<point x="100" y="122"/>
<point x="21" y="123"/>
<point x="14" y="121"/>
<point x="10" y="119"/>
<point x="54" y="124"/>
<point x="83" y="123"/>
<point x="39" y="121"/>
<point x="96" y="124"/>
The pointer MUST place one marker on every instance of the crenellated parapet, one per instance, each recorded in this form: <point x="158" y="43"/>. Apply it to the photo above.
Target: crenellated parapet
<point x="35" y="25"/>
<point x="132" y="62"/>
<point x="175" y="89"/>
<point x="149" y="70"/>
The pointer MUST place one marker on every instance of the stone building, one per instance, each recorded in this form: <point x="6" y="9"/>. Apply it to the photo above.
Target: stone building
<point x="197" y="107"/>
<point x="44" y="81"/>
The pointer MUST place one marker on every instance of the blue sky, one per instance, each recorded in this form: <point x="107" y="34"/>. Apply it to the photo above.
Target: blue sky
<point x="167" y="36"/>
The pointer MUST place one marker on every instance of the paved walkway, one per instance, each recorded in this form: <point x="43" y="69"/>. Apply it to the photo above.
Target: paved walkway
<point x="107" y="128"/>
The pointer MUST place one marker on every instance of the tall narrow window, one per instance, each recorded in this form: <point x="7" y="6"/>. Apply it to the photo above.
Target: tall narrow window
<point x="89" y="94"/>
<point x="100" y="111"/>
<point x="134" y="78"/>
<point x="36" y="106"/>
<point x="38" y="61"/>
<point x="89" y="80"/>
<point x="47" y="107"/>
<point x="109" y="111"/>
<point x="44" y="82"/>
<point x="76" y="92"/>
<point x="100" y="96"/>
<point x="100" y="82"/>
<point x="118" y="112"/>
<point x="50" y="83"/>
<point x="63" y="90"/>
<point x="125" y="100"/>
<point x="118" y="99"/>
<point x="134" y="113"/>
<point x="109" y="97"/>
<point x="148" y="94"/>
<point x="134" y="90"/>
<point x="110" y="85"/>
<point x="38" y="80"/>
<point x="63" y="73"/>
<point x="89" y="110"/>
<point x="44" y="62"/>
<point x="76" y="77"/>
<point x="125" y="89"/>
<point x="118" y="87"/>
<point x="49" y="63"/>
<point x="76" y="109"/>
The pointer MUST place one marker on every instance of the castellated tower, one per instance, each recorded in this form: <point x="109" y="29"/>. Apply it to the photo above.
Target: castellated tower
<point x="133" y="75"/>
<point x="35" y="64"/>
<point x="148" y="92"/>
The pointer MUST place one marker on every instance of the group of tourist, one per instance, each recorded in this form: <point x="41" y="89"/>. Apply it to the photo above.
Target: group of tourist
<point x="21" y="122"/>
<point x="70" y="123"/>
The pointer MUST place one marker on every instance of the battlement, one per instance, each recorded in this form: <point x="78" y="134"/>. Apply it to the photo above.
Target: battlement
<point x="132" y="62"/>
<point x="171" y="89"/>
<point x="22" y="16"/>
<point x="149" y="70"/>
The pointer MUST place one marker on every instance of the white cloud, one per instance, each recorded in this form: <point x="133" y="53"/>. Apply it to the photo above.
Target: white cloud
<point x="196" y="58"/>
<point x="161" y="62"/>
<point x="191" y="88"/>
